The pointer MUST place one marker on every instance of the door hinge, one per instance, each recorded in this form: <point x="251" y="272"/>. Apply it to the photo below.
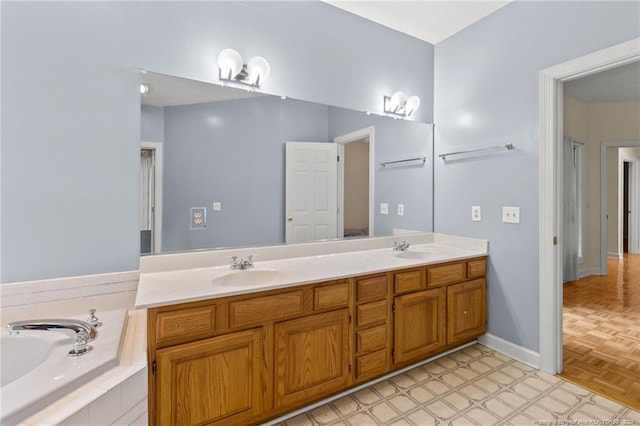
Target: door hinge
<point x="338" y="158"/>
<point x="349" y="318"/>
<point x="349" y="368"/>
<point x="393" y="355"/>
<point x="154" y="368"/>
<point x="555" y="241"/>
<point x="393" y="307"/>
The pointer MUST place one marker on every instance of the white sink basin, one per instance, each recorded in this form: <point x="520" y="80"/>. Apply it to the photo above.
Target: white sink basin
<point x="416" y="254"/>
<point x="249" y="277"/>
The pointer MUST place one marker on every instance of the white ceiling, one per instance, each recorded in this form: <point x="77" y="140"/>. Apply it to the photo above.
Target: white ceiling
<point x="621" y="84"/>
<point x="427" y="20"/>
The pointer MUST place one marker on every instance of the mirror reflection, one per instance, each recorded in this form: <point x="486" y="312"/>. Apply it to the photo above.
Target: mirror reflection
<point x="223" y="167"/>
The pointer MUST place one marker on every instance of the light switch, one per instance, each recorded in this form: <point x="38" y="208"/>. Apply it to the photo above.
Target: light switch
<point x="511" y="214"/>
<point x="384" y="208"/>
<point x="476" y="214"/>
<point x="217" y="206"/>
<point x="198" y="217"/>
<point x="400" y="209"/>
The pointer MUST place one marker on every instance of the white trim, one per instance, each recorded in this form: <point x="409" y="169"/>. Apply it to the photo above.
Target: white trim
<point x="634" y="204"/>
<point x="368" y="133"/>
<point x="550" y="262"/>
<point x="517" y="352"/>
<point x="158" y="149"/>
<point x="604" y="231"/>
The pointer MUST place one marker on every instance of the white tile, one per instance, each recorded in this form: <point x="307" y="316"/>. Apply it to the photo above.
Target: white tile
<point x="512" y="399"/>
<point x="134" y="390"/>
<point x="441" y="410"/>
<point x="346" y="405"/>
<point x="420" y="394"/>
<point x="481" y="417"/>
<point x="17" y="313"/>
<point x="53" y="309"/>
<point x="324" y="414"/>
<point x="384" y="412"/>
<point x="498" y="408"/>
<point x="127" y="300"/>
<point x="362" y="419"/>
<point x="422" y="418"/>
<point x="106" y="302"/>
<point x="52" y="295"/>
<point x="107" y="408"/>
<point x="597" y="411"/>
<point x="457" y="400"/>
<point x="403" y="403"/>
<point x="366" y="396"/>
<point x="403" y="381"/>
<point x="13" y="300"/>
<point x="80" y="418"/>
<point x="436" y="387"/>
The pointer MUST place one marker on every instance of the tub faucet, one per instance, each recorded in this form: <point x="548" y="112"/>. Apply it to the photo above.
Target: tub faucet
<point x="401" y="245"/>
<point x="77" y="326"/>
<point x="242" y="263"/>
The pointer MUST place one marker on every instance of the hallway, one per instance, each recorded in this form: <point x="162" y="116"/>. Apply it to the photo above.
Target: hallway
<point x="601" y="324"/>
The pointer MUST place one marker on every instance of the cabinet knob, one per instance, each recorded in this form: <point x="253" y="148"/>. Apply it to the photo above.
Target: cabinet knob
<point x="289" y="218"/>
<point x="465" y="312"/>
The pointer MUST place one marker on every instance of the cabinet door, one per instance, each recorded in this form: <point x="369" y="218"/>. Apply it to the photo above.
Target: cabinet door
<point x="466" y="311"/>
<point x="213" y="381"/>
<point x="419" y="324"/>
<point x="312" y="357"/>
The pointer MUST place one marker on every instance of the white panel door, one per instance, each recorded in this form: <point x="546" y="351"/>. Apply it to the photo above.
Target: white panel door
<point x="311" y="199"/>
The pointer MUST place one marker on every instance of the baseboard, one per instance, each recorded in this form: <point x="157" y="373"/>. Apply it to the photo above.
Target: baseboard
<point x="519" y="353"/>
<point x="588" y="272"/>
<point x="614" y="255"/>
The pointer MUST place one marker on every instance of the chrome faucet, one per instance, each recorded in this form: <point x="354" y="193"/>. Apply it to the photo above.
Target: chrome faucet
<point x="84" y="332"/>
<point x="242" y="263"/>
<point x="401" y="245"/>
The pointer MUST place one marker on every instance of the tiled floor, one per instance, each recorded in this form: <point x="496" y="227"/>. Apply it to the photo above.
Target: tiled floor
<point x="601" y="323"/>
<point x="475" y="386"/>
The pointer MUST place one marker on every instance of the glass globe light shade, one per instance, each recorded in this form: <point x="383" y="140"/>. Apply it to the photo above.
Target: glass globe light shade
<point x="258" y="70"/>
<point x="412" y="104"/>
<point x="230" y="63"/>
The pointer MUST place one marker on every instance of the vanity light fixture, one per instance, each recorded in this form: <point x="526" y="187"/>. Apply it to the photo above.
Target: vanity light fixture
<point x="232" y="68"/>
<point x="398" y="104"/>
<point x="144" y="89"/>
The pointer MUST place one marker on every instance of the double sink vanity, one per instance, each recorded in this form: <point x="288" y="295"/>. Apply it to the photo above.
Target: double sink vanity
<point x="295" y="324"/>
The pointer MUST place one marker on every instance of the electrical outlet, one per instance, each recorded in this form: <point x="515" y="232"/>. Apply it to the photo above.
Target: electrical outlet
<point x="217" y="206"/>
<point x="400" y="209"/>
<point x="198" y="217"/>
<point x="384" y="208"/>
<point x="511" y="214"/>
<point x="476" y="214"/>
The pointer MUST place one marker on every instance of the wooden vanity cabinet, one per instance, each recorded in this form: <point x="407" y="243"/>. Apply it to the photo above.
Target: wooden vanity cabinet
<point x="249" y="358"/>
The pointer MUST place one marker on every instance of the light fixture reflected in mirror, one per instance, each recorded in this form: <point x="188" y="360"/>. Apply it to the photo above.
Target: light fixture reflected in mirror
<point x="399" y="105"/>
<point x="144" y="89"/>
<point x="232" y="68"/>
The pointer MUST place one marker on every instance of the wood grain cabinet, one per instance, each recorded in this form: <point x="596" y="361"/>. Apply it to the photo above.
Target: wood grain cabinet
<point x="212" y="381"/>
<point x="312" y="357"/>
<point x="241" y="360"/>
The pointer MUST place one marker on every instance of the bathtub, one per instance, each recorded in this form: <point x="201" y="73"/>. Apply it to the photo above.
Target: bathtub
<point x="36" y="371"/>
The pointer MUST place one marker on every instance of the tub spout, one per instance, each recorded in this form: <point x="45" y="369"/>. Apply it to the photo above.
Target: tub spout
<point x="77" y="326"/>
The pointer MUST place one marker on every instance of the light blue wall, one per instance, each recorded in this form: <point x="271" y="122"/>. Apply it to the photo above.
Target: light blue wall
<point x="71" y="112"/>
<point x="151" y="124"/>
<point x="486" y="93"/>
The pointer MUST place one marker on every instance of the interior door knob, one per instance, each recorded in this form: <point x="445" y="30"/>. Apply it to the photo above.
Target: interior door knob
<point x="289" y="218"/>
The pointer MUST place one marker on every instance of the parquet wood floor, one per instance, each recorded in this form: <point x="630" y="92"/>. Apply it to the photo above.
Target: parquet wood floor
<point x="601" y="324"/>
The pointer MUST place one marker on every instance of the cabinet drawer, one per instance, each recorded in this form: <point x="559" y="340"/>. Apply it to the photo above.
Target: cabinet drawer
<point x="371" y="364"/>
<point x="409" y="281"/>
<point x="265" y="308"/>
<point x="331" y="296"/>
<point x="476" y="268"/>
<point x="445" y="274"/>
<point x="370" y="313"/>
<point x="185" y="324"/>
<point x="374" y="288"/>
<point x="371" y="338"/>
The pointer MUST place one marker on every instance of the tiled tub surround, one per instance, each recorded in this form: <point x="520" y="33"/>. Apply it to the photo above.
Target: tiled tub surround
<point x="119" y="395"/>
<point x="192" y="277"/>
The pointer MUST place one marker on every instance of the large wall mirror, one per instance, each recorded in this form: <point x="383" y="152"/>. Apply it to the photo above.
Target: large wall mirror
<point x="225" y="167"/>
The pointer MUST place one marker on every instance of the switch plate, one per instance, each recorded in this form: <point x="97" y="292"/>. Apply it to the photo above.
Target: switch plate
<point x="384" y="208"/>
<point x="198" y="217"/>
<point x="476" y="214"/>
<point x="400" y="209"/>
<point x="217" y="206"/>
<point x="511" y="214"/>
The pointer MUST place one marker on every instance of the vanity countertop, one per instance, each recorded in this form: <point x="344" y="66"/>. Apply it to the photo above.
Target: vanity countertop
<point x="193" y="284"/>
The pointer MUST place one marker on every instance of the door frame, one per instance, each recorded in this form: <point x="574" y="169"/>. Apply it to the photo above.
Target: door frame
<point x="634" y="201"/>
<point x="550" y="183"/>
<point x="368" y="133"/>
<point x="158" y="149"/>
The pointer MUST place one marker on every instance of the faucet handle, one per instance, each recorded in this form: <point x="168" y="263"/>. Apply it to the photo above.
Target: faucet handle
<point x="93" y="319"/>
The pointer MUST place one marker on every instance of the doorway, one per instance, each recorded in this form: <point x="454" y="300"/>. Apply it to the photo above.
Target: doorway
<point x="551" y="194"/>
<point x="151" y="160"/>
<point x="355" y="183"/>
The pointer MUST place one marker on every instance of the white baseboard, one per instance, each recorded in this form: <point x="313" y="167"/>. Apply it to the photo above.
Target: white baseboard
<point x="588" y="272"/>
<point x="519" y="353"/>
<point x="614" y="255"/>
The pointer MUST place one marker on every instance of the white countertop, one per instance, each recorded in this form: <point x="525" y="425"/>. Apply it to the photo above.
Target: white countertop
<point x="193" y="284"/>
